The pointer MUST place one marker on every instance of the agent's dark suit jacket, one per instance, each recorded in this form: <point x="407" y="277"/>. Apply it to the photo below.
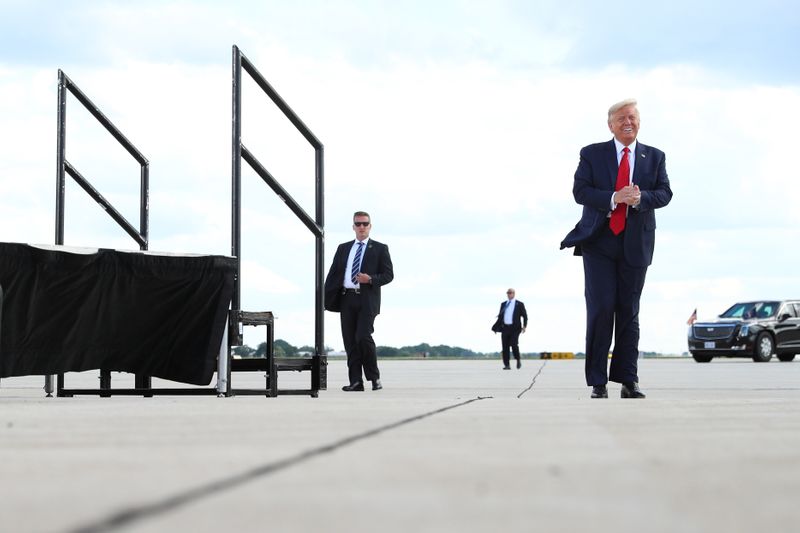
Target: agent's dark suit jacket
<point x="376" y="262"/>
<point x="516" y="319"/>
<point x="594" y="184"/>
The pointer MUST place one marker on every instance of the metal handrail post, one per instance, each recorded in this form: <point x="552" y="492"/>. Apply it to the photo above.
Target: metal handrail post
<point x="61" y="156"/>
<point x="144" y="206"/>
<point x="236" y="193"/>
<point x="319" y="274"/>
<point x="61" y="138"/>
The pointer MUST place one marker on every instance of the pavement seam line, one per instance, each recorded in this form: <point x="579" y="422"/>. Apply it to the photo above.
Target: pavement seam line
<point x="533" y="381"/>
<point x="126" y="517"/>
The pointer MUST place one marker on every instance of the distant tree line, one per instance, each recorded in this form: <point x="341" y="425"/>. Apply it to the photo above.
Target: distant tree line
<point x="284" y="349"/>
<point x="424" y="350"/>
<point x="280" y="347"/>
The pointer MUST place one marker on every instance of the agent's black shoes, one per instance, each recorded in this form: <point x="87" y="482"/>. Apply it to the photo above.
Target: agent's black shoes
<point x="631" y="390"/>
<point x="599" y="391"/>
<point x="359" y="386"/>
<point x="519" y="363"/>
<point x="506" y="367"/>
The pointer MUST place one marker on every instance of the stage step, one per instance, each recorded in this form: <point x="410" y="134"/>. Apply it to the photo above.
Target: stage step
<point x="272" y="365"/>
<point x="259" y="364"/>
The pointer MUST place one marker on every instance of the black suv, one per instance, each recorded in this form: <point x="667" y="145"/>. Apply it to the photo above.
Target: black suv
<point x="749" y="329"/>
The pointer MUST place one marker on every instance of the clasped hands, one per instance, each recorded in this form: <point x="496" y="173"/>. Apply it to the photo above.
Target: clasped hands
<point x="363" y="278"/>
<point x="630" y="195"/>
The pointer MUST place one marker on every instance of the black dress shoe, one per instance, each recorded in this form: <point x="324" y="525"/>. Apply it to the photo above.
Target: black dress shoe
<point x="376" y="384"/>
<point x="357" y="386"/>
<point x="506" y="367"/>
<point x="599" y="391"/>
<point x="631" y="390"/>
<point x="519" y="363"/>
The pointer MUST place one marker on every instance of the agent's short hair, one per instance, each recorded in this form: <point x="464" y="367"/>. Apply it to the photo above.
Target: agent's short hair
<point x="619" y="105"/>
<point x="362" y="214"/>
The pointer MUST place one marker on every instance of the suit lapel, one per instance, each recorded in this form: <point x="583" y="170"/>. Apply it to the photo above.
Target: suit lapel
<point x="613" y="164"/>
<point x="368" y="252"/>
<point x="641" y="161"/>
<point x="346" y="247"/>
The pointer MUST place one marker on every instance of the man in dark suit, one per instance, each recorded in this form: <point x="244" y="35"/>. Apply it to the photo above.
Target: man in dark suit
<point x="619" y="183"/>
<point x="353" y="288"/>
<point x="511" y="321"/>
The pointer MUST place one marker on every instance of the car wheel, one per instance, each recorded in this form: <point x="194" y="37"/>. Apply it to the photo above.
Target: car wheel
<point x="786" y="357"/>
<point x="702" y="358"/>
<point x="764" y="348"/>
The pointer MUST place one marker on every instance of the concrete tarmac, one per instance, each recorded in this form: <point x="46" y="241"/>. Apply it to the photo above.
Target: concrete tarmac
<point x="447" y="446"/>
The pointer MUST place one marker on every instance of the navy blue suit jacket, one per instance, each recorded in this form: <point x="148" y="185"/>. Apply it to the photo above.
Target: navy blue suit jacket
<point x="519" y="318"/>
<point x="376" y="262"/>
<point x="594" y="184"/>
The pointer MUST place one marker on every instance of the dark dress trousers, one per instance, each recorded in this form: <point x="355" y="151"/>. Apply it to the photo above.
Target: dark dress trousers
<point x="615" y="265"/>
<point x="358" y="310"/>
<point x="510" y="332"/>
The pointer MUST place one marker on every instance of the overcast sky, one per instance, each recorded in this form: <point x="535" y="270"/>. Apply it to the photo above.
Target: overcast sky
<point x="456" y="124"/>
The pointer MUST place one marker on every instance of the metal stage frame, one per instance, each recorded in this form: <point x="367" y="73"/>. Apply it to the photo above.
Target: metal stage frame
<point x="237" y="319"/>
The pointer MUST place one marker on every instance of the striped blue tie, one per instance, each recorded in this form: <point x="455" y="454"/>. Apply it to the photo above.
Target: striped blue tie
<point x="356" y="263"/>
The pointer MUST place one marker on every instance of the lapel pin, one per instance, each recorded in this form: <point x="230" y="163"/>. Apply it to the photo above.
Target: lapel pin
<point x="643" y="156"/>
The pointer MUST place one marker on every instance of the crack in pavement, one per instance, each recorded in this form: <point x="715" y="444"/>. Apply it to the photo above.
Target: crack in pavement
<point x="532" y="381"/>
<point x="143" y="512"/>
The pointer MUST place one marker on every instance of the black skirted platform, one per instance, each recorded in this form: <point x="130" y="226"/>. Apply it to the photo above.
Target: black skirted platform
<point x="70" y="310"/>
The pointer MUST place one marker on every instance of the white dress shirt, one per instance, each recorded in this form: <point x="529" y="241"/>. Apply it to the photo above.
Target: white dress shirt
<point x="631" y="163"/>
<point x="348" y="282"/>
<point x="508" y="315"/>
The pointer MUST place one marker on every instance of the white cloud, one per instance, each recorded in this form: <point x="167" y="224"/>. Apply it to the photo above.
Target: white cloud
<point x="263" y="280"/>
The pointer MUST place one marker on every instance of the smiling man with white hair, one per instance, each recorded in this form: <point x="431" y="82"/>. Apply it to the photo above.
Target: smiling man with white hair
<point x="619" y="183"/>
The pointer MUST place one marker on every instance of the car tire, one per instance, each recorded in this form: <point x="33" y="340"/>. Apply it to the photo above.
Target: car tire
<point x="702" y="358"/>
<point x="764" y="348"/>
<point x="786" y="357"/>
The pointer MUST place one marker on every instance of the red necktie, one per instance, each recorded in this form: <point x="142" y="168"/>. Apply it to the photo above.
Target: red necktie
<point x="617" y="222"/>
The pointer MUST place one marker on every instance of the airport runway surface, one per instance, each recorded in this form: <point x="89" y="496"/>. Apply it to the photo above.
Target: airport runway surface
<point x="447" y="446"/>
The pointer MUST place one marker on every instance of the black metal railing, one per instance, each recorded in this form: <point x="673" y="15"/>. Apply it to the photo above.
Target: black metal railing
<point x="315" y="225"/>
<point x="64" y="167"/>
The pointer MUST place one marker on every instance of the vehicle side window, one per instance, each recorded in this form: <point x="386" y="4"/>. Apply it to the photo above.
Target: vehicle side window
<point x="796" y="309"/>
<point x="765" y="311"/>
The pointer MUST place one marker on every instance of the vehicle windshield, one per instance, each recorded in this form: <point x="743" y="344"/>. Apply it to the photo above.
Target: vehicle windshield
<point x="752" y="310"/>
